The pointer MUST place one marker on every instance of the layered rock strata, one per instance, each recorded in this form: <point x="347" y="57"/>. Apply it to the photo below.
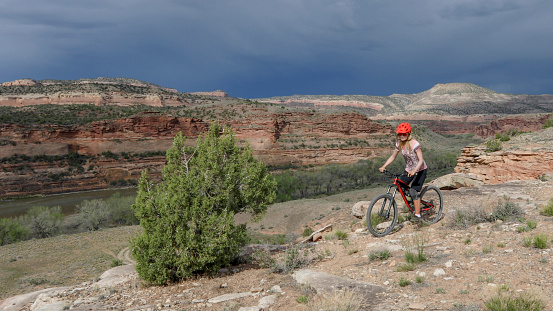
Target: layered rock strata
<point x="105" y="142"/>
<point x="524" y="157"/>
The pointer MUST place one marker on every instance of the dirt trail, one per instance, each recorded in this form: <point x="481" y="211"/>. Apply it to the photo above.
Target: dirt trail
<point x="125" y="256"/>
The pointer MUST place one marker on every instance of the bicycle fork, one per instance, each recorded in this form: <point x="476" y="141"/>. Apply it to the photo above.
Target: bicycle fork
<point x="386" y="207"/>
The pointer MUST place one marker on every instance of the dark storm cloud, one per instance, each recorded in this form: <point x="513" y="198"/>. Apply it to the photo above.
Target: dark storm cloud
<point x="257" y="48"/>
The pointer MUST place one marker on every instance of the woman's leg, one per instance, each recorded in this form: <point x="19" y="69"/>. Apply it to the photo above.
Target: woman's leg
<point x="417" y="186"/>
<point x="417" y="206"/>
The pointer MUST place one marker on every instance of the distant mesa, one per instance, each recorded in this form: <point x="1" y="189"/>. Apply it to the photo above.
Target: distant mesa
<point x="22" y="82"/>
<point x="457" y="88"/>
<point x="109" y="81"/>
<point x="217" y="93"/>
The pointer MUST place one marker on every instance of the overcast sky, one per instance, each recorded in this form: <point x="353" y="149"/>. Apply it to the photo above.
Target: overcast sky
<point x="263" y="48"/>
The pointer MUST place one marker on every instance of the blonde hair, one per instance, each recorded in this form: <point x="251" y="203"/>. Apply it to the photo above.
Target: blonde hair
<point x="405" y="144"/>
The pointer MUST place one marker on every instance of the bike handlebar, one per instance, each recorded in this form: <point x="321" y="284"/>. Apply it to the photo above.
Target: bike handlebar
<point x="392" y="174"/>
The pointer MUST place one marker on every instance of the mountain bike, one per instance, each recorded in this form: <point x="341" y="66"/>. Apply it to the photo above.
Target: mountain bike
<point x="382" y="213"/>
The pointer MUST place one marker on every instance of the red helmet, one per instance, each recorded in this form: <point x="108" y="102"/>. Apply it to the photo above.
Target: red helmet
<point x="404" y="128"/>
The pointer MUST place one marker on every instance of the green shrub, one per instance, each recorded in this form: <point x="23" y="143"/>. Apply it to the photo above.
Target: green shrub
<point x="493" y="145"/>
<point x="527" y="241"/>
<point x="505" y="210"/>
<point x="12" y="231"/>
<point x="541" y="241"/>
<point x="43" y="221"/>
<point x="188" y="218"/>
<point x="339" y="234"/>
<point x="263" y="258"/>
<point x="548" y="208"/>
<point x="404" y="282"/>
<point x="466" y="217"/>
<point x="295" y="257"/>
<point x="507" y="302"/>
<point x="548" y="123"/>
<point x="93" y="215"/>
<point x="307" y="232"/>
<point x="414" y="253"/>
<point x="380" y="254"/>
<point x="116" y="263"/>
<point x="121" y="212"/>
<point x="502" y="137"/>
<point x="486" y="249"/>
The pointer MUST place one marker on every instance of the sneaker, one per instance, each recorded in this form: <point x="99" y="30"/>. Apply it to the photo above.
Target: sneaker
<point x="416" y="218"/>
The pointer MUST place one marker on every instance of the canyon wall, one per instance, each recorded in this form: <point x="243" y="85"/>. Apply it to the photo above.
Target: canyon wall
<point x="117" y="150"/>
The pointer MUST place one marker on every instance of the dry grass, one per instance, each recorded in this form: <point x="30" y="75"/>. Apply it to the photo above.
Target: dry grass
<point x="341" y="300"/>
<point x="59" y="261"/>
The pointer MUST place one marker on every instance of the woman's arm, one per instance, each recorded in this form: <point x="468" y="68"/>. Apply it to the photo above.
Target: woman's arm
<point x="390" y="160"/>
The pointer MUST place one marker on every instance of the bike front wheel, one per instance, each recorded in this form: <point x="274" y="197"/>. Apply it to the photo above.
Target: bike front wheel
<point x="431" y="204"/>
<point x="381" y="215"/>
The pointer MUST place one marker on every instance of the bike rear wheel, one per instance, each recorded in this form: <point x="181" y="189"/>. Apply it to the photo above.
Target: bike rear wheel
<point x="431" y="204"/>
<point x="381" y="215"/>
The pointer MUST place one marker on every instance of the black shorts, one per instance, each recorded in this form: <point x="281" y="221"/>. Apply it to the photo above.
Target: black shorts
<point x="417" y="181"/>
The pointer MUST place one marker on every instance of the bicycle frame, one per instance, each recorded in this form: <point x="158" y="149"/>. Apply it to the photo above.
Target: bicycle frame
<point x="399" y="185"/>
<point x="382" y="212"/>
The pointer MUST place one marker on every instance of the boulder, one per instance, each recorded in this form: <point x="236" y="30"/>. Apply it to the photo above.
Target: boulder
<point x="360" y="209"/>
<point x="456" y="181"/>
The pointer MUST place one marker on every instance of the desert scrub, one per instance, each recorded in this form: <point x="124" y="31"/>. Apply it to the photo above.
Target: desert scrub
<point x="486" y="249"/>
<point x="262" y="257"/>
<point x="404" y="282"/>
<point x="307" y="232"/>
<point x="414" y="251"/>
<point x="295" y="257"/>
<point x="508" y="301"/>
<point x="530" y="225"/>
<point x="493" y="145"/>
<point x="337" y="300"/>
<point x="541" y="241"/>
<point x="548" y="208"/>
<point x="339" y="234"/>
<point x="503" y="210"/>
<point x="466" y="217"/>
<point x="380" y="254"/>
<point x="116" y="263"/>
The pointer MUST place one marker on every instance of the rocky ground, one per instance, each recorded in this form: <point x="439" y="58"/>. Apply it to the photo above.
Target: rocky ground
<point x="464" y="267"/>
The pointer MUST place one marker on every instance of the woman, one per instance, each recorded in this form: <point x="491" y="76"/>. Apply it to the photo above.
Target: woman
<point x="415" y="165"/>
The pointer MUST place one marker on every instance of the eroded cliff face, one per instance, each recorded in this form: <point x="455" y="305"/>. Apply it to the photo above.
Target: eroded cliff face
<point x="524" y="157"/>
<point x="119" y="150"/>
<point x="524" y="123"/>
<point x="69" y="98"/>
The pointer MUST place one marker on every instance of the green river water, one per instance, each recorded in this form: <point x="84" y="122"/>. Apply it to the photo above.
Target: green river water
<point x="67" y="201"/>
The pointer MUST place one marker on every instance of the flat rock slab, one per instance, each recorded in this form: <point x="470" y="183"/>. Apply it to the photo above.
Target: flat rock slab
<point x="324" y="283"/>
<point x="116" y="276"/>
<point x="18" y="302"/>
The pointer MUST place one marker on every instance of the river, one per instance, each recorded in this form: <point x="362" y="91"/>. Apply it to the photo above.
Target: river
<point x="67" y="201"/>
